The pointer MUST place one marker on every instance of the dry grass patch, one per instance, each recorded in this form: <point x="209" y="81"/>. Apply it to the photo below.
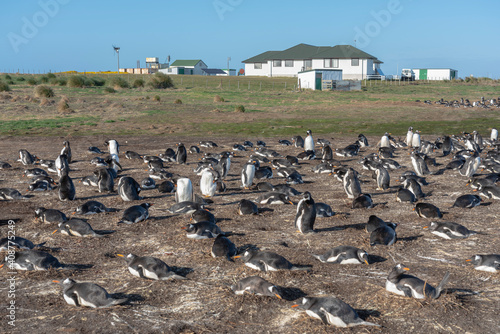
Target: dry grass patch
<point x="63" y="106"/>
<point x="218" y="98"/>
<point x="43" y="91"/>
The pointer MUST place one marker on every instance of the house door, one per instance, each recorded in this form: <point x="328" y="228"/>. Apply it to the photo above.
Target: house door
<point x="319" y="78"/>
<point x="423" y="74"/>
<point x="181" y="71"/>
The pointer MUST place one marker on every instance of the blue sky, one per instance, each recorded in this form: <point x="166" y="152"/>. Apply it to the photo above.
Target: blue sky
<point x="62" y="35"/>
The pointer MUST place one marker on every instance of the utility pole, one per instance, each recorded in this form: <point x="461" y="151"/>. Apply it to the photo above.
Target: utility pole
<point x="228" y="70"/>
<point x="117" y="50"/>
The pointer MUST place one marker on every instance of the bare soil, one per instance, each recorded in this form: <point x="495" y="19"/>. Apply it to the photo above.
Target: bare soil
<point x="205" y="303"/>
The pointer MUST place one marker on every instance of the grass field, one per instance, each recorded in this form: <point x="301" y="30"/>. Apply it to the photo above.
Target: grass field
<point x="273" y="107"/>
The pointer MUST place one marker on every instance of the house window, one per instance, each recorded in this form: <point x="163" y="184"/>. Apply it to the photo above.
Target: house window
<point x="308" y="63"/>
<point x="288" y="63"/>
<point x="355" y="62"/>
<point x="276" y="63"/>
<point x="257" y="66"/>
<point x="331" y="62"/>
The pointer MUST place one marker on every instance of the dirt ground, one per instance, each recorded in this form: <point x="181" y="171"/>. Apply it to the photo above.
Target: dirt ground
<point x="205" y="303"/>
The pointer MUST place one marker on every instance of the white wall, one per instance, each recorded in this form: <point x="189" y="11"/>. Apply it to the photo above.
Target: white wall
<point x="307" y="80"/>
<point x="284" y="71"/>
<point x="438" y="74"/>
<point x="250" y="70"/>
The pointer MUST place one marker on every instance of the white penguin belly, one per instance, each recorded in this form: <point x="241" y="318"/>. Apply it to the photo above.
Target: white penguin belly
<point x="486" y="268"/>
<point x="391" y="287"/>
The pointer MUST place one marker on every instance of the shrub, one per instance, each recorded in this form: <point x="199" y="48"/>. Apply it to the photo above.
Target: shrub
<point x="109" y="90"/>
<point x="239" y="108"/>
<point x="44" y="79"/>
<point x="43" y="91"/>
<point x="161" y="81"/>
<point x="118" y="82"/>
<point x="20" y="79"/>
<point x="10" y="82"/>
<point x="4" y="87"/>
<point x="31" y="81"/>
<point x="218" y="98"/>
<point x="8" y="77"/>
<point x="75" y="81"/>
<point x="138" y="83"/>
<point x="178" y="101"/>
<point x="156" y="97"/>
<point x="63" y="106"/>
<point x="51" y="75"/>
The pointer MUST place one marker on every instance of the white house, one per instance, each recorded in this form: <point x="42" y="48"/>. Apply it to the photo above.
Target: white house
<point x="186" y="67"/>
<point x="354" y="63"/>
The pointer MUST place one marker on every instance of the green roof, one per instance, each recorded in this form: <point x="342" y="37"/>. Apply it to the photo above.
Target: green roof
<point x="185" y="62"/>
<point x="306" y="51"/>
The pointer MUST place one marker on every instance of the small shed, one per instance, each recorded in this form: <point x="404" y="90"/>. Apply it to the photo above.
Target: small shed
<point x="435" y="73"/>
<point x="213" y="71"/>
<point x="313" y="79"/>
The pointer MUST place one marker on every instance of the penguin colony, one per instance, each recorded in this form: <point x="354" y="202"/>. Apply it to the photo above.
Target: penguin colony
<point x="278" y="200"/>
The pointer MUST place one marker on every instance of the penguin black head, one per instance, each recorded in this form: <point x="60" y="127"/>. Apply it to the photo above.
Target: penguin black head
<point x="363" y="256"/>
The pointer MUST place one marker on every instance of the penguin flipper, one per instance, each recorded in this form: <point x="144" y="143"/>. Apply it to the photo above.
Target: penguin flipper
<point x="406" y="290"/>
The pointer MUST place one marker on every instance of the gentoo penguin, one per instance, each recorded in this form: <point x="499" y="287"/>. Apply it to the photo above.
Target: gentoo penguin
<point x="87" y="294"/>
<point x="34" y="172"/>
<point x="385" y="140"/>
<point x="373" y="223"/>
<point x="447" y="145"/>
<point x="223" y="247"/>
<point x="257" y="286"/>
<point x="384" y="235"/>
<point x="181" y="154"/>
<point x="246" y="207"/>
<point x="105" y="181"/>
<point x="60" y="163"/>
<point x="202" y="230"/>
<point x="51" y="216"/>
<point x="166" y="187"/>
<point x="184" y="190"/>
<point x="129" y="189"/>
<point x="332" y="311"/>
<point x="410" y="286"/>
<point x="4" y="165"/>
<point x="34" y="260"/>
<point x="203" y="215"/>
<point x="326" y="153"/>
<point x="149" y="267"/>
<point x="114" y="149"/>
<point x="362" y="140"/>
<point x="264" y="172"/>
<point x="93" y="149"/>
<point x="492" y="192"/>
<point x="148" y="183"/>
<point x="267" y="261"/>
<point x="26" y="158"/>
<point x="419" y="164"/>
<point x="351" y="184"/>
<point x="449" y="230"/>
<point x="405" y="195"/>
<point x="427" y="210"/>
<point x="363" y="201"/>
<point x="208" y="144"/>
<point x="284" y="142"/>
<point x="309" y="142"/>
<point x="40" y="185"/>
<point x="414" y="187"/>
<point x="132" y="155"/>
<point x="488" y="181"/>
<point x="67" y="190"/>
<point x="286" y="189"/>
<point x="90" y="180"/>
<point x="247" y="175"/>
<point x="273" y="197"/>
<point x="92" y="207"/>
<point x="494" y="135"/>
<point x="136" y="213"/>
<point x="306" y="214"/>
<point x="488" y="262"/>
<point x="383" y="178"/>
<point x="208" y="183"/>
<point x="409" y="136"/>
<point x="78" y="228"/>
<point x="17" y="242"/>
<point x="467" y="201"/>
<point x="415" y="139"/>
<point x="66" y="151"/>
<point x="10" y="193"/>
<point x="298" y="141"/>
<point x="344" y="255"/>
<point x="470" y="165"/>
<point x="324" y="210"/>
<point x="186" y="207"/>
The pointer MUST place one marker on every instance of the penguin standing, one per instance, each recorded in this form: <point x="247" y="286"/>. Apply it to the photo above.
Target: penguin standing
<point x="410" y="286"/>
<point x="61" y="161"/>
<point x="149" y="267"/>
<point x="447" y="145"/>
<point x="326" y="153"/>
<point x="383" y="178"/>
<point x="332" y="311"/>
<point x="184" y="190"/>
<point x="105" y="181"/>
<point x="129" y="189"/>
<point x="494" y="135"/>
<point x="309" y="142"/>
<point x="247" y="174"/>
<point x="181" y="154"/>
<point x="255" y="285"/>
<point x="87" y="294"/>
<point x="66" y="187"/>
<point x="298" y="141"/>
<point x="385" y="140"/>
<point x="409" y="136"/>
<point x="419" y="164"/>
<point x="66" y="151"/>
<point x="208" y="183"/>
<point x="306" y="214"/>
<point x="470" y="165"/>
<point x="415" y="139"/>
<point x="351" y="184"/>
<point x="414" y="187"/>
<point x="114" y="149"/>
<point x="26" y="158"/>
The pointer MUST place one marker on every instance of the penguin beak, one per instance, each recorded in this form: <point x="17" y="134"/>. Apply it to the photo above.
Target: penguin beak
<point x="73" y="213"/>
<point x="425" y="227"/>
<point x="120" y="255"/>
<point x="54" y="231"/>
<point x="468" y="260"/>
<point x="407" y="269"/>
<point x="54" y="281"/>
<point x="237" y="257"/>
<point x="290" y="202"/>
<point x="366" y="261"/>
<point x="184" y="227"/>
<point x="279" y="297"/>
<point x="296" y="305"/>
<point x="1" y="266"/>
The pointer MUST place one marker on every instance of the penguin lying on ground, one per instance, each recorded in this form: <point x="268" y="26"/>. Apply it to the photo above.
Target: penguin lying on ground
<point x="344" y="255"/>
<point x="267" y="261"/>
<point x="149" y="267"/>
<point x="87" y="294"/>
<point x="410" y="286"/>
<point x="255" y="285"/>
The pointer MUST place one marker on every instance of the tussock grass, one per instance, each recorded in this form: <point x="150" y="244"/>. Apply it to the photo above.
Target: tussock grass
<point x="44" y="91"/>
<point x="4" y="87"/>
<point x="161" y="81"/>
